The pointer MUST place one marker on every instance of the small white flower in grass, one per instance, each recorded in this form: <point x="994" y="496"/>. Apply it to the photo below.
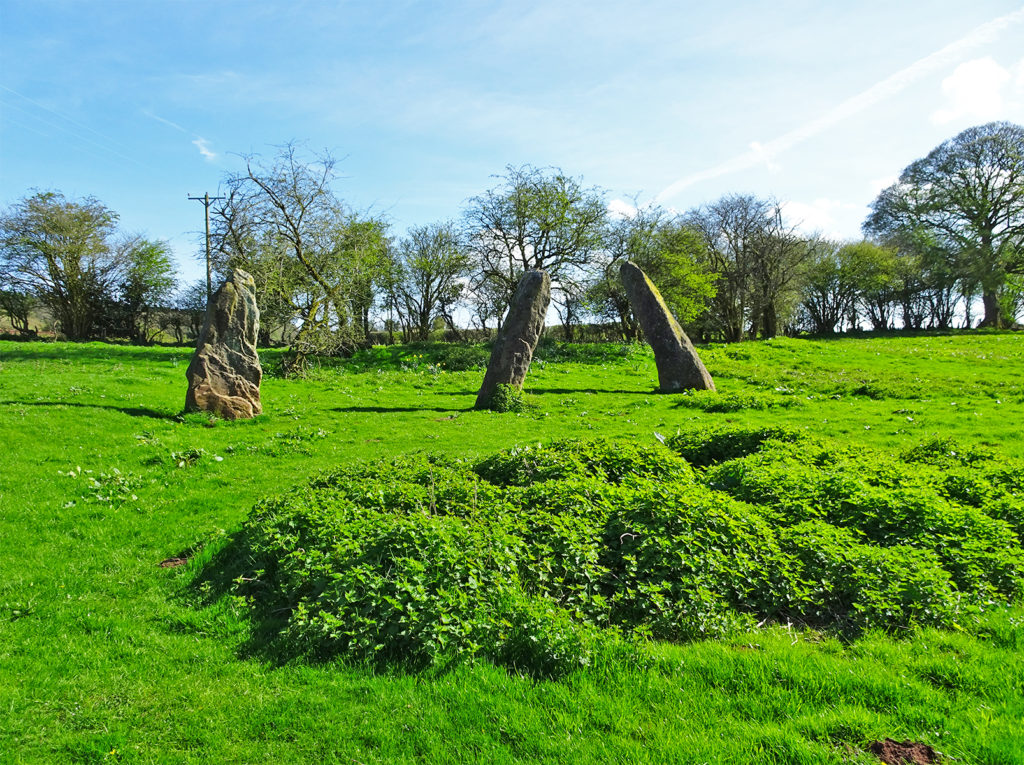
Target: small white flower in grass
<point x="659" y="436"/>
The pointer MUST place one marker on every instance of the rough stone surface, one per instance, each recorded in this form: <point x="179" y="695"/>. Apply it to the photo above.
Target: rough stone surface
<point x="679" y="366"/>
<point x="518" y="336"/>
<point x="224" y="374"/>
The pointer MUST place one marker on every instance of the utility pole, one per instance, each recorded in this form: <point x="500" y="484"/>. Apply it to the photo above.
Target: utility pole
<point x="206" y="199"/>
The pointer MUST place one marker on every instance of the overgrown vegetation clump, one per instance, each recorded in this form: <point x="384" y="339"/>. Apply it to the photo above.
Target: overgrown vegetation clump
<point x="548" y="557"/>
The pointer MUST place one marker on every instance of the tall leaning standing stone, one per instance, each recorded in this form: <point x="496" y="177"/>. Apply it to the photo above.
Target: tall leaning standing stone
<point x="224" y="374"/>
<point x="679" y="366"/>
<point x="518" y="336"/>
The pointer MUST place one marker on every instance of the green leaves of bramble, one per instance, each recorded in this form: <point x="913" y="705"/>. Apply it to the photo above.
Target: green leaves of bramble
<point x="547" y="558"/>
<point x="108" y="487"/>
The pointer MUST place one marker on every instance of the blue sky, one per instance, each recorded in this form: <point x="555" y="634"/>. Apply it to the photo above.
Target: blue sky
<point x="142" y="102"/>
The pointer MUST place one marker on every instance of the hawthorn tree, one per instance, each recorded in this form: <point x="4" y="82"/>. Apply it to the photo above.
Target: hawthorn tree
<point x="66" y="255"/>
<point x="668" y="251"/>
<point x="535" y="218"/>
<point x="59" y="250"/>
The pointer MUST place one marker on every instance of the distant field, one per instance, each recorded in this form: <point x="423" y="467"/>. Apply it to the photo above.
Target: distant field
<point x="105" y="656"/>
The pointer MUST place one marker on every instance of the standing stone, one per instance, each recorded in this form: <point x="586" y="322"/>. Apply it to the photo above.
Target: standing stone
<point x="679" y="366"/>
<point x="518" y="336"/>
<point x="224" y="374"/>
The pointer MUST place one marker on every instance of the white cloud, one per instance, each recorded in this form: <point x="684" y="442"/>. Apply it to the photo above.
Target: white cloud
<point x="878" y="185"/>
<point x="890" y="86"/>
<point x="975" y="91"/>
<point x="828" y="217"/>
<point x="764" y="155"/>
<point x="204" y="148"/>
<point x="621" y="209"/>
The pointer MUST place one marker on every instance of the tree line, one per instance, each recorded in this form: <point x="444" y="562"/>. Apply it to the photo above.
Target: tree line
<point x="948" y="235"/>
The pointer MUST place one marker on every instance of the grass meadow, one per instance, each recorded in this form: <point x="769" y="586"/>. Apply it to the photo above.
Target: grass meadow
<point x="107" y="656"/>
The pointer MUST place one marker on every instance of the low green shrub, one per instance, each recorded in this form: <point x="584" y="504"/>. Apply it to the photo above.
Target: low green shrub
<point x="507" y="398"/>
<point x="856" y="586"/>
<point x="603" y="458"/>
<point x="891" y="502"/>
<point x="546" y="557"/>
<point x="708" y="446"/>
<point x="711" y="401"/>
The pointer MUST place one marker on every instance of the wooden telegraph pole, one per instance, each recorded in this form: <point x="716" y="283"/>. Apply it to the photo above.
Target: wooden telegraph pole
<point x="206" y="199"/>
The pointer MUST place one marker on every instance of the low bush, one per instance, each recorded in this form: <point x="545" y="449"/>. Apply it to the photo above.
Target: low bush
<point x="546" y="557"/>
<point x="710" y="401"/>
<point x="507" y="398"/>
<point x="707" y="446"/>
<point x="602" y="458"/>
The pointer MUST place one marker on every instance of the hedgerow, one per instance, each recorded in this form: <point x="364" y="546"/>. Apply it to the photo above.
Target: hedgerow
<point x="547" y="557"/>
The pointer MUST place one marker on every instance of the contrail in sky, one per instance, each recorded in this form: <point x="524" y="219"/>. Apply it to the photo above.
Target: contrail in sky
<point x="890" y="86"/>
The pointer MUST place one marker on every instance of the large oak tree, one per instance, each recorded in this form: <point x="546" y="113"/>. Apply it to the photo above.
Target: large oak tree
<point x="967" y="197"/>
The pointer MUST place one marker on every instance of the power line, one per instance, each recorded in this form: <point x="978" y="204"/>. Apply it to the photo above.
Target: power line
<point x="206" y="199"/>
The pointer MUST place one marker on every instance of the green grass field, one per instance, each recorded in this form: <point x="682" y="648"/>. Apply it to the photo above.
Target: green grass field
<point x="107" y="656"/>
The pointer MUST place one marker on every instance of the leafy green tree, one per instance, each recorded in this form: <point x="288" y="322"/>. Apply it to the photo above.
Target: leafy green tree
<point x="433" y="267"/>
<point x="535" y="218"/>
<point x="829" y="287"/>
<point x="148" y="283"/>
<point x="967" y="195"/>
<point x="17" y="306"/>
<point x="59" y="250"/>
<point x="669" y="253"/>
<point x="876" y="272"/>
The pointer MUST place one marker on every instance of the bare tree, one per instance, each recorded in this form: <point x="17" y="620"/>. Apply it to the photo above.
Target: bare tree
<point x="758" y="260"/>
<point x="313" y="259"/>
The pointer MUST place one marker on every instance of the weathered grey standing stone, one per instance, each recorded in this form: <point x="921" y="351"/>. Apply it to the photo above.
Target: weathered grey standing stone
<point x="679" y="366"/>
<point x="518" y="336"/>
<point x="224" y="374"/>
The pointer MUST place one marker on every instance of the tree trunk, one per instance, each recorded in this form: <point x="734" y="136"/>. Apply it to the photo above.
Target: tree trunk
<point x="993" y="314"/>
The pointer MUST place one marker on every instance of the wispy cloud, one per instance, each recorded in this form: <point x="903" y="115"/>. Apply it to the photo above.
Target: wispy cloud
<point x="204" y="148"/>
<point x="199" y="142"/>
<point x="822" y="216"/>
<point x="890" y="86"/>
<point x="158" y="118"/>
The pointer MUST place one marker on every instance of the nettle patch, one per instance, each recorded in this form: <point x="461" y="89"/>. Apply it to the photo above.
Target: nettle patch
<point x="548" y="557"/>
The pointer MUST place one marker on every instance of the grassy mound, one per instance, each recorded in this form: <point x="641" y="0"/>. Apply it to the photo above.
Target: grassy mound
<point x="547" y="558"/>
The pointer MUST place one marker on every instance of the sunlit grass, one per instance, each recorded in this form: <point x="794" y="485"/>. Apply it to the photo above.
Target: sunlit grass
<point x="104" y="655"/>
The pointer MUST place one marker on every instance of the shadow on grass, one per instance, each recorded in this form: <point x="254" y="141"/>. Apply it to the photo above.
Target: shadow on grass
<point x="564" y="391"/>
<point x="220" y="572"/>
<point x="131" y="411"/>
<point x="386" y="409"/>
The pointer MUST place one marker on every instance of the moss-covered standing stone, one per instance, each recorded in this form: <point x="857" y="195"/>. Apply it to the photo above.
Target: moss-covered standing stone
<point x="224" y="374"/>
<point x="518" y="336"/>
<point x="679" y="366"/>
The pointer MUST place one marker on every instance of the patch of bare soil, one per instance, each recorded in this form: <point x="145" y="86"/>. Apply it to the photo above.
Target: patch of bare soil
<point x="172" y="562"/>
<point x="899" y="753"/>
